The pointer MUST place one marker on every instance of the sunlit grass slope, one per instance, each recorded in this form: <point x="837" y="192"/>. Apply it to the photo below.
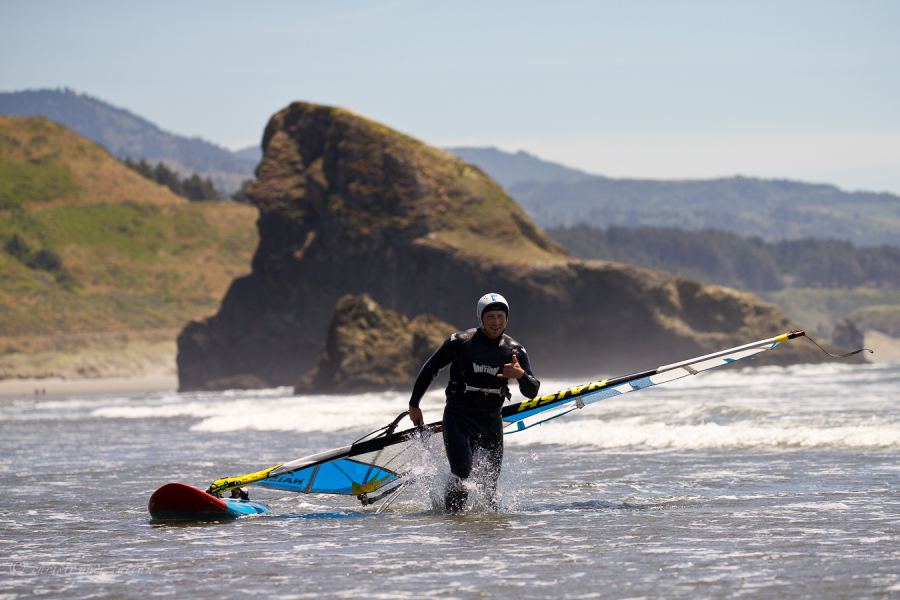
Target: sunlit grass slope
<point x="89" y="246"/>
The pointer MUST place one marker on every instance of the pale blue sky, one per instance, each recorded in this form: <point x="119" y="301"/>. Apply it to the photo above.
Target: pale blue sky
<point x="661" y="89"/>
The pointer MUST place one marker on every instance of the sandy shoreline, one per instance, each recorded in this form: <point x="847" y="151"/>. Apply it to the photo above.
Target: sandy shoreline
<point x="56" y="387"/>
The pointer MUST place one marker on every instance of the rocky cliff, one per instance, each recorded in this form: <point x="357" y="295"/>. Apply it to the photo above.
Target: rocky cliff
<point x="347" y="205"/>
<point x="370" y="348"/>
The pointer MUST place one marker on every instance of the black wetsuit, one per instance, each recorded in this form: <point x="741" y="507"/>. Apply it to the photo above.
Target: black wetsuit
<point x="475" y="397"/>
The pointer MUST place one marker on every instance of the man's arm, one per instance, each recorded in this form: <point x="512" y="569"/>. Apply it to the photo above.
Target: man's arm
<point x="528" y="383"/>
<point x="442" y="357"/>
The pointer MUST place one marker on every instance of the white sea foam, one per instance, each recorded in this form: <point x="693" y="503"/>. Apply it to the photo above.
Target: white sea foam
<point x="272" y="411"/>
<point x="635" y="433"/>
<point x="161" y="410"/>
<point x="807" y="406"/>
<point x="304" y="414"/>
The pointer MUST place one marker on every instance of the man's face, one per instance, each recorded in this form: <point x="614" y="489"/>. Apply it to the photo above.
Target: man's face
<point x="493" y="323"/>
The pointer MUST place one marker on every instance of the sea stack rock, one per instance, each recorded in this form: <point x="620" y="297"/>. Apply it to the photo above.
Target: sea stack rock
<point x="349" y="206"/>
<point x="371" y="348"/>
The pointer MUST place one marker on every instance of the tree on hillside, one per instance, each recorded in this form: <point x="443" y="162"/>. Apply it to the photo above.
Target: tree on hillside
<point x="729" y="259"/>
<point x="163" y="175"/>
<point x="42" y="259"/>
<point x="241" y="195"/>
<point x="199" y="189"/>
<point x="193" y="188"/>
<point x="142" y="167"/>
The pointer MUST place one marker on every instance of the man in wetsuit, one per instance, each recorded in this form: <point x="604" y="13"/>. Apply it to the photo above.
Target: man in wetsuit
<point x="481" y="362"/>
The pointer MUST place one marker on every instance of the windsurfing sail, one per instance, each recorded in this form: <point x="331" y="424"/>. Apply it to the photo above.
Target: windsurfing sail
<point x="528" y="413"/>
<point x="375" y="465"/>
<point x="370" y="468"/>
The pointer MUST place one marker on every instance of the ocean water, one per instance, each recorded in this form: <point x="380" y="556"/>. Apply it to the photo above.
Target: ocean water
<point x="760" y="483"/>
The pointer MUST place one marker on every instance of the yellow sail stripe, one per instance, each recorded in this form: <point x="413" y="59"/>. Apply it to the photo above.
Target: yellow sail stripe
<point x="368" y="487"/>
<point x="569" y="393"/>
<point x="228" y="483"/>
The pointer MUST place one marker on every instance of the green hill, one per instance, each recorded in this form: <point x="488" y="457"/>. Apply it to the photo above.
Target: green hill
<point x="91" y="249"/>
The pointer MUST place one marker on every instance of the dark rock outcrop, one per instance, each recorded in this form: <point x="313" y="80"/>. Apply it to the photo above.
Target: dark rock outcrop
<point x="350" y="206"/>
<point x="372" y="348"/>
<point x="847" y="335"/>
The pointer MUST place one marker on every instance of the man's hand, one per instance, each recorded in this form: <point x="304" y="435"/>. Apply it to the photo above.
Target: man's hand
<point x="415" y="415"/>
<point x="512" y="370"/>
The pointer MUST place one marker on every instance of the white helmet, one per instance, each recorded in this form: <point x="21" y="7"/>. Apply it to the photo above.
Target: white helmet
<point x="492" y="301"/>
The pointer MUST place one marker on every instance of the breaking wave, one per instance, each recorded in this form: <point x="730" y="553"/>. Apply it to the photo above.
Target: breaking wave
<point x="806" y="406"/>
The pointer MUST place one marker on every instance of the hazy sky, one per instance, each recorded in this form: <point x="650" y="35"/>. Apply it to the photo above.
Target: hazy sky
<point x="656" y="89"/>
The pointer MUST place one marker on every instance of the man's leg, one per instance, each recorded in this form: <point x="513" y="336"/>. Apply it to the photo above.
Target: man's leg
<point x="491" y="447"/>
<point x="459" y="444"/>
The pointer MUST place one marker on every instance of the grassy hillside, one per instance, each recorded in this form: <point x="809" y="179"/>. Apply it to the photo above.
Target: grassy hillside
<point x="88" y="246"/>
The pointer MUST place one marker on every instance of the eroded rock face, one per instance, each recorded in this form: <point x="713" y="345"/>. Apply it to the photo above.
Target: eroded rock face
<point x="348" y="206"/>
<point x="371" y="348"/>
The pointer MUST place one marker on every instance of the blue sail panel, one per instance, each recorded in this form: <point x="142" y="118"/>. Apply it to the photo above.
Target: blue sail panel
<point x="342" y="476"/>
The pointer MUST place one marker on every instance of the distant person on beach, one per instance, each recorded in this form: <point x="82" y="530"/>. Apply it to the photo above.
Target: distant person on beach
<point x="482" y="361"/>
